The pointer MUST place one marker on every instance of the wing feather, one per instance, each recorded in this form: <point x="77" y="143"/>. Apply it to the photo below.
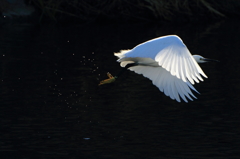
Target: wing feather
<point x="170" y="85"/>
<point x="170" y="53"/>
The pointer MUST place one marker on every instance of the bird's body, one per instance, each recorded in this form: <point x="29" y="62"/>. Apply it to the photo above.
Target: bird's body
<point x="168" y="63"/>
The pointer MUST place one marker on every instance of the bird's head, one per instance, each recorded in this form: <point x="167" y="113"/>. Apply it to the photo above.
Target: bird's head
<point x="201" y="59"/>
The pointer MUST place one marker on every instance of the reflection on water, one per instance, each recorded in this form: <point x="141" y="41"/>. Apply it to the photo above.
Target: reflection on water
<point x="52" y="106"/>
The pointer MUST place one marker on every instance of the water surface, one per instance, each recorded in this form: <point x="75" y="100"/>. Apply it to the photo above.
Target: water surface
<point x="52" y="107"/>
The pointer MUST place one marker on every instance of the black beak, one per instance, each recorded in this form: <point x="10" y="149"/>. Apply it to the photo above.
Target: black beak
<point x="210" y="60"/>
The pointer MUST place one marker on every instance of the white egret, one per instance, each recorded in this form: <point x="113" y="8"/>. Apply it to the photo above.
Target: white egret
<point x="168" y="63"/>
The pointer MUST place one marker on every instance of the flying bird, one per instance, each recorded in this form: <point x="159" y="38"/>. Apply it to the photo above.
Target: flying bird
<point x="168" y="63"/>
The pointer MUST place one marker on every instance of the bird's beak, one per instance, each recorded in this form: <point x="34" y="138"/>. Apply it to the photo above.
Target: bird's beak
<point x="209" y="60"/>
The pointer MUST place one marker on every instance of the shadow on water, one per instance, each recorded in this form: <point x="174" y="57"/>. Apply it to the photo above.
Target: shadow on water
<point x="52" y="106"/>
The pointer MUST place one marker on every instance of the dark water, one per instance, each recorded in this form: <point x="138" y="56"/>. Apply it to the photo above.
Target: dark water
<point x="52" y="107"/>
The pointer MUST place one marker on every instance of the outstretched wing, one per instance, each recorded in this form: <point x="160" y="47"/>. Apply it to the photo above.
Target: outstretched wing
<point x="171" y="54"/>
<point x="172" y="86"/>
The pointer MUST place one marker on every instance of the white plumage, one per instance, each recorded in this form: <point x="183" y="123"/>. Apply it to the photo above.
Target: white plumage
<point x="168" y="63"/>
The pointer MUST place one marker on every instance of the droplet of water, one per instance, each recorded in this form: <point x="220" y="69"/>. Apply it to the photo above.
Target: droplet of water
<point x="86" y="138"/>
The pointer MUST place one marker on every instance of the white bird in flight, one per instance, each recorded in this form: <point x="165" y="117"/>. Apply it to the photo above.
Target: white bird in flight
<point x="168" y="63"/>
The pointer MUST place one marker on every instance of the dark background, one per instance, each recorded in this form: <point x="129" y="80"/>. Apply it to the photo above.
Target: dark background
<point x="52" y="107"/>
